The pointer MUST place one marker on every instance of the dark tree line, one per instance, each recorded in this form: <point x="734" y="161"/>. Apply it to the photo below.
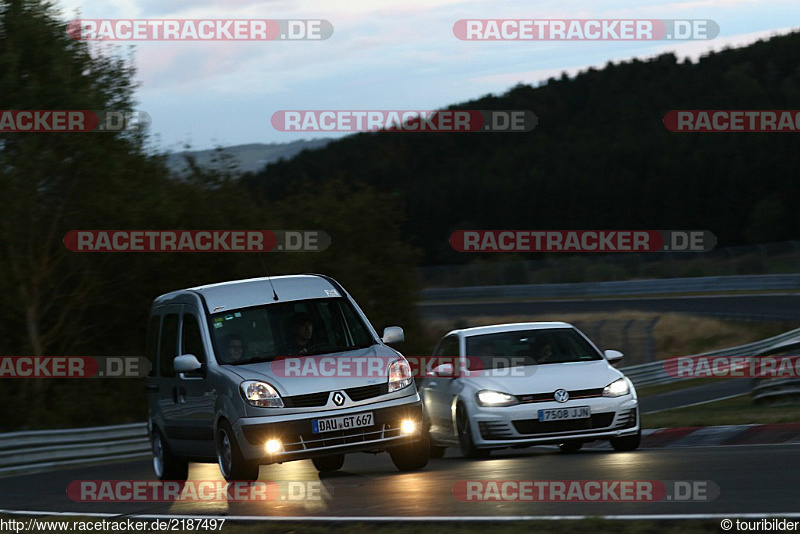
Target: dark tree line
<point x="600" y="156"/>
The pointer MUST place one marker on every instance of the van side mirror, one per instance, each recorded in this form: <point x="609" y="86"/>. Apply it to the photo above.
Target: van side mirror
<point x="187" y="363"/>
<point x="393" y="334"/>
<point x="613" y="356"/>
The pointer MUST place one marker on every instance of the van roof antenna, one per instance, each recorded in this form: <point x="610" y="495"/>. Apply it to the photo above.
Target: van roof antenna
<point x="274" y="293"/>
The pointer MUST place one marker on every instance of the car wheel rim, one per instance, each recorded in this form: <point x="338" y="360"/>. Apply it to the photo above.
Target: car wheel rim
<point x="224" y="454"/>
<point x="158" y="456"/>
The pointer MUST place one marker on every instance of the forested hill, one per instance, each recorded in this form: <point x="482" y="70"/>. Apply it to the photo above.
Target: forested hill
<point x="600" y="156"/>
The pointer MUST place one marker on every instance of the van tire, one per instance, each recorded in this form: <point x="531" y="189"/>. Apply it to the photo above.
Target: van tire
<point x="166" y="465"/>
<point x="328" y="464"/>
<point x="229" y="457"/>
<point x="412" y="456"/>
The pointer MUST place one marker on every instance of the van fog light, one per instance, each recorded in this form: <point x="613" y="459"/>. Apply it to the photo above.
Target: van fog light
<point x="273" y="445"/>
<point x="408" y="426"/>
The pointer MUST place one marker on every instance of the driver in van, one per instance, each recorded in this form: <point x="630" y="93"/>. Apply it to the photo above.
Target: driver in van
<point x="301" y="329"/>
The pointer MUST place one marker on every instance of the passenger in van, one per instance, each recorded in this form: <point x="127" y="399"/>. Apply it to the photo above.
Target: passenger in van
<point x="301" y="329"/>
<point x="232" y="348"/>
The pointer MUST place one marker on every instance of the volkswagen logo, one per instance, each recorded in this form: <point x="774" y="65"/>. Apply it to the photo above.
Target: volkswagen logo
<point x="561" y="395"/>
<point x="338" y="398"/>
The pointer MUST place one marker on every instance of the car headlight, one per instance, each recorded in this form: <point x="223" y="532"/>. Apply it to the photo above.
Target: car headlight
<point x="617" y="388"/>
<point x="399" y="375"/>
<point x="261" y="394"/>
<point x="495" y="398"/>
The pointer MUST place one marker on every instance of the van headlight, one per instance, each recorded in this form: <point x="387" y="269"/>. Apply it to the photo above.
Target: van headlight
<point x="261" y="394"/>
<point x="399" y="375"/>
<point x="617" y="388"/>
<point x="495" y="398"/>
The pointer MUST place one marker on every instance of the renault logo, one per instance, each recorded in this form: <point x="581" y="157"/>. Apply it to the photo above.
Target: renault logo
<point x="338" y="398"/>
<point x="561" y="395"/>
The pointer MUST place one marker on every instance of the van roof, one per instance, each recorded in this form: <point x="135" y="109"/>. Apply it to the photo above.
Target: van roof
<point x="257" y="291"/>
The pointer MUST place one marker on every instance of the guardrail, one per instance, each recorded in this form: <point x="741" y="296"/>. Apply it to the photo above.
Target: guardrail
<point x="653" y="374"/>
<point x="41" y="450"/>
<point x="776" y="387"/>
<point x="710" y="284"/>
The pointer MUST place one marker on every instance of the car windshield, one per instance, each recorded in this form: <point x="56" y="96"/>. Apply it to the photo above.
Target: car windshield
<point x="295" y="328"/>
<point x="530" y="347"/>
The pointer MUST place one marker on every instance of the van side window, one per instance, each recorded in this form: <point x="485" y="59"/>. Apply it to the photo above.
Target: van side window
<point x="151" y="348"/>
<point x="192" y="339"/>
<point x="169" y="344"/>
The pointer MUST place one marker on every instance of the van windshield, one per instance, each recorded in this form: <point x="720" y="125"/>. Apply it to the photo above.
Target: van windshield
<point x="302" y="327"/>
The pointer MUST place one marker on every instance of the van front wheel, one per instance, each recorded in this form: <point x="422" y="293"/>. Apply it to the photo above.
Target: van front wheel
<point x="229" y="457"/>
<point x="412" y="456"/>
<point x="166" y="465"/>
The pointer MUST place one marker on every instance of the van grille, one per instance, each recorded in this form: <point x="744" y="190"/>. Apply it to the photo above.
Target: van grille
<point x="309" y="441"/>
<point x="367" y="392"/>
<point x="311" y="400"/>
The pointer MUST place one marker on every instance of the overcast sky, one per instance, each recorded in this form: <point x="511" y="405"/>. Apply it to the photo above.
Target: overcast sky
<point x="384" y="54"/>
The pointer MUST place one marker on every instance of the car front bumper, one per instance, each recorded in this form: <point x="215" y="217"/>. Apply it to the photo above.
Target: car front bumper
<point x="519" y="425"/>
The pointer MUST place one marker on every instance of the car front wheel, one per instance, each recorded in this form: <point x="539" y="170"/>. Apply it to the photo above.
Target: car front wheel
<point x="627" y="443"/>
<point x="468" y="449"/>
<point x="570" y="447"/>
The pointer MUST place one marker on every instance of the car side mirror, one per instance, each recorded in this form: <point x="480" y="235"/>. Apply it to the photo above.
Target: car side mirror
<point x="444" y="370"/>
<point x="613" y="356"/>
<point x="393" y="334"/>
<point x="187" y="363"/>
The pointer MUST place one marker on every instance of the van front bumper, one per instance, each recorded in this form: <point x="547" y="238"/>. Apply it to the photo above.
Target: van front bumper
<point x="298" y="440"/>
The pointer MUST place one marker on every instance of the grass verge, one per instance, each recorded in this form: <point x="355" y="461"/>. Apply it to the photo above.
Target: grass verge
<point x="736" y="411"/>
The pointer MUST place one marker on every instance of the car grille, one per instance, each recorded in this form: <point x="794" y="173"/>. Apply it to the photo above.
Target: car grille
<point x="547" y="397"/>
<point x="534" y="426"/>
<point x="367" y="392"/>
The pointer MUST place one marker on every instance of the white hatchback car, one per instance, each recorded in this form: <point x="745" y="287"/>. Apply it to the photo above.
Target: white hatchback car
<point x="523" y="384"/>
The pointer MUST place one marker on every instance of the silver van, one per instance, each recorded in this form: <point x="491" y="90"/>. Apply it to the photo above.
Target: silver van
<point x="270" y="370"/>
